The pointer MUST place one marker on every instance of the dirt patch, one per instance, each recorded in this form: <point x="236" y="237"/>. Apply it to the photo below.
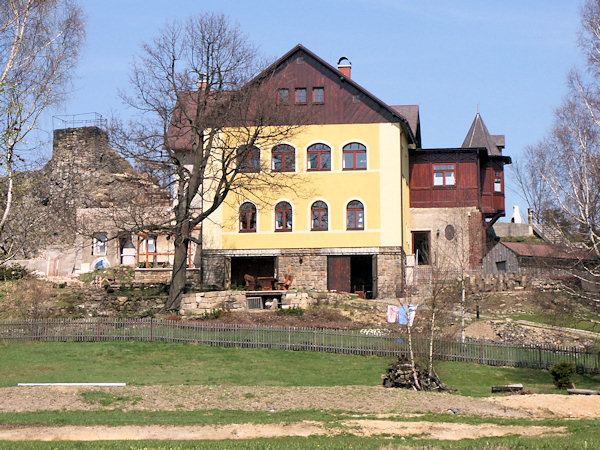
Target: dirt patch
<point x="372" y="399"/>
<point x="481" y="330"/>
<point x="512" y="333"/>
<point x="318" y="317"/>
<point x="549" y="405"/>
<point x="362" y="399"/>
<point x="435" y="430"/>
<point x="160" y="432"/>
<point x="444" y="431"/>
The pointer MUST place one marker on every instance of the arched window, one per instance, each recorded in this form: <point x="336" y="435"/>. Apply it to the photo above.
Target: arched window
<point x="284" y="158"/>
<point x="319" y="216"/>
<point x="355" y="216"/>
<point x="283" y="216"/>
<point x="355" y="156"/>
<point x="247" y="217"/>
<point x="319" y="157"/>
<point x="248" y="159"/>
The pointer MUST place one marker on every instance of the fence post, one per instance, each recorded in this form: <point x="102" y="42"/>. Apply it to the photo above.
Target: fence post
<point x="540" y="356"/>
<point x="480" y="352"/>
<point x="151" y="330"/>
<point x="98" y="330"/>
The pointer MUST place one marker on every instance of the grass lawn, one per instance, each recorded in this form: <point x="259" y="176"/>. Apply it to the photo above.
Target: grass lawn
<point x="475" y="380"/>
<point x="141" y="363"/>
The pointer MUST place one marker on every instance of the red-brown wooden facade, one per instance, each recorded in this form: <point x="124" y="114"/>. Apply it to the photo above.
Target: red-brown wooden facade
<point x="474" y="180"/>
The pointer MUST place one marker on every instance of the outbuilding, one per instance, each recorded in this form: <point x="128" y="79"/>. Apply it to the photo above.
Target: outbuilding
<point x="536" y="259"/>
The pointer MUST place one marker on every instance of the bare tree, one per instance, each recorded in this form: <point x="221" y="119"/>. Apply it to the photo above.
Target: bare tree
<point x="39" y="46"/>
<point x="205" y="110"/>
<point x="440" y="298"/>
<point x="530" y="186"/>
<point x="568" y="163"/>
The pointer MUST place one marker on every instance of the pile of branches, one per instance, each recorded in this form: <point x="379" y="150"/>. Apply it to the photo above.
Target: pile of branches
<point x="400" y="374"/>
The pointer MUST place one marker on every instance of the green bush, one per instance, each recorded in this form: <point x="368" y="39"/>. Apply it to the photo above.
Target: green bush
<point x="14" y="272"/>
<point x="295" y="311"/>
<point x="562" y="373"/>
<point x="212" y="314"/>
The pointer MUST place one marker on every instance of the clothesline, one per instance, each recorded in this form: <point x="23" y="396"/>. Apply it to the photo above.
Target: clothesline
<point x="403" y="314"/>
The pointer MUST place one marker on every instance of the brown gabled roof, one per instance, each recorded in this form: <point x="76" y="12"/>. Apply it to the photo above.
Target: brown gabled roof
<point x="411" y="113"/>
<point x="479" y="136"/>
<point x="498" y="140"/>
<point x="549" y="251"/>
<point x="401" y="118"/>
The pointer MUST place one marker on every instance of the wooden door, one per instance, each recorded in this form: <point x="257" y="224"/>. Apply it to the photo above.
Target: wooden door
<point x="338" y="273"/>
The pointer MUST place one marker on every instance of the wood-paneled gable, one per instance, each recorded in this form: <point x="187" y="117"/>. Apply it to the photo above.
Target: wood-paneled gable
<point x="343" y="101"/>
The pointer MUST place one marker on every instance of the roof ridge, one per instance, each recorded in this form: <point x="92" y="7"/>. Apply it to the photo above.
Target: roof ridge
<point x="377" y="100"/>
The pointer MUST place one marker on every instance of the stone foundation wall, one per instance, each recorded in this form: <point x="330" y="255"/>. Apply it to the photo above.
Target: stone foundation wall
<point x="389" y="275"/>
<point x="213" y="269"/>
<point x="163" y="275"/>
<point x="203" y="302"/>
<point x="309" y="270"/>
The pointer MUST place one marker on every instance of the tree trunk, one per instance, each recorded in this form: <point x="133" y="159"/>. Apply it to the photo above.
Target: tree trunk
<point x="178" y="278"/>
<point x="412" y="358"/>
<point x="430" y="370"/>
<point x="462" y="311"/>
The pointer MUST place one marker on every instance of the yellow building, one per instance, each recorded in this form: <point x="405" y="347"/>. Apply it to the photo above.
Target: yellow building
<point x="343" y="221"/>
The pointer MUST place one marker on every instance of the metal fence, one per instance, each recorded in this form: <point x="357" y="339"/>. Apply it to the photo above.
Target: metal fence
<point x="380" y="342"/>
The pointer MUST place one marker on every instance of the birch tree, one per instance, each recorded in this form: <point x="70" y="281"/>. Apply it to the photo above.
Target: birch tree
<point x="565" y="165"/>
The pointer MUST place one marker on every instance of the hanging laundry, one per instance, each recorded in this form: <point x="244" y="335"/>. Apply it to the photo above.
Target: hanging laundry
<point x="406" y="314"/>
<point x="402" y="314"/>
<point x="392" y="313"/>
<point x="412" y="311"/>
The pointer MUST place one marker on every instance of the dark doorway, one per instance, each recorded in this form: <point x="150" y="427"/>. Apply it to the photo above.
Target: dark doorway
<point x="351" y="274"/>
<point x="421" y="247"/>
<point x="361" y="275"/>
<point x="257" y="266"/>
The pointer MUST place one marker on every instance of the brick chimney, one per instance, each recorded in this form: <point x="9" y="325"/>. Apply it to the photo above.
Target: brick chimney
<point x="344" y="65"/>
<point x="202" y="83"/>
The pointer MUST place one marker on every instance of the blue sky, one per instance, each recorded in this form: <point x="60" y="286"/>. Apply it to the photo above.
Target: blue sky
<point x="510" y="57"/>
